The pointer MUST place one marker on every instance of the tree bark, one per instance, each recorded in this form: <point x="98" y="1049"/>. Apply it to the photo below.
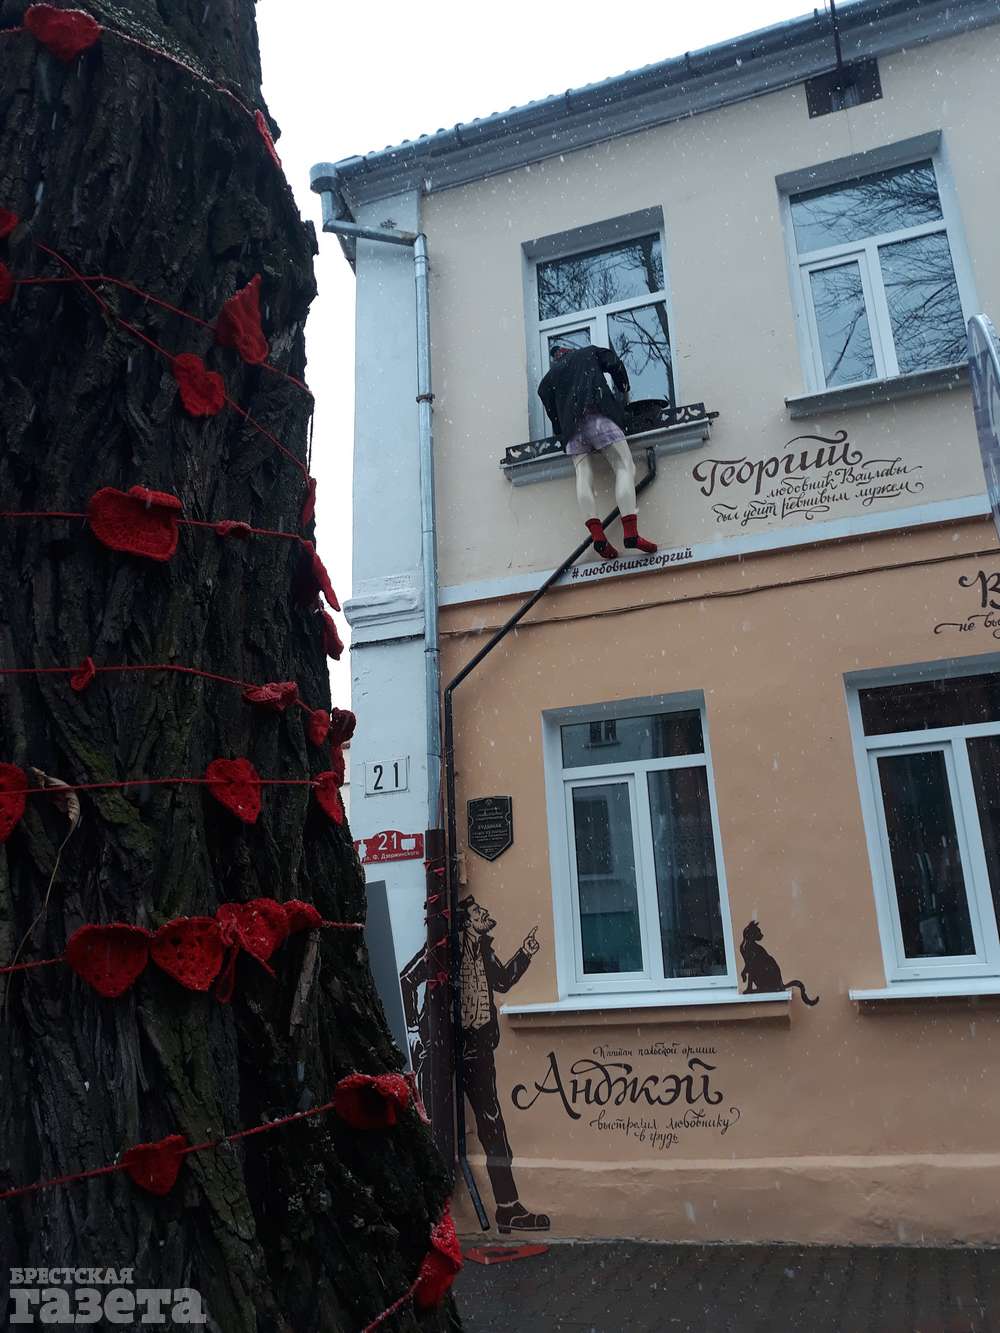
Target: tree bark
<point x="130" y="166"/>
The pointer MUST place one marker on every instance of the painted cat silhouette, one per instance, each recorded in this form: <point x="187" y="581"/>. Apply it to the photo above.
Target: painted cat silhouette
<point x="760" y="971"/>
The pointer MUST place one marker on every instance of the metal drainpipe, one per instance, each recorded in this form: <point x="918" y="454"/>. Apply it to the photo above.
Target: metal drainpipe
<point x="442" y="1104"/>
<point x="457" y="1040"/>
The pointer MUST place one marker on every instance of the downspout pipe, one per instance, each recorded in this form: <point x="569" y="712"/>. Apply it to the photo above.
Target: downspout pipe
<point x="442" y="1110"/>
<point x="453" y="855"/>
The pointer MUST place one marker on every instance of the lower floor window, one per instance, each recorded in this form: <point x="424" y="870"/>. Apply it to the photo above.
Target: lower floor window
<point x="644" y="864"/>
<point x="933" y="770"/>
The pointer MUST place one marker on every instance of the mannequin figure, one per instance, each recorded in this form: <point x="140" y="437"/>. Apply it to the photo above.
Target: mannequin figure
<point x="589" y="419"/>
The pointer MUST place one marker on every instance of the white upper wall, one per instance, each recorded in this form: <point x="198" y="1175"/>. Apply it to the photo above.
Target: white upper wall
<point x="733" y="321"/>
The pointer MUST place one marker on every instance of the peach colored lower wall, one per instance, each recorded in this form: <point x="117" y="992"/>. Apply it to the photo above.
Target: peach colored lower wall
<point x="832" y="1123"/>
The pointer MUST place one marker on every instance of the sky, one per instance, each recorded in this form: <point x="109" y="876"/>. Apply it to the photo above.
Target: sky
<point x="343" y="79"/>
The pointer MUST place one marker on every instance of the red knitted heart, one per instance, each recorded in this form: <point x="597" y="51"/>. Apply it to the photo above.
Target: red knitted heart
<point x="143" y="522"/>
<point x="276" y="695"/>
<point x="64" y="32"/>
<point x="343" y="722"/>
<point x="190" y="950"/>
<point x="239" y="324"/>
<point x="300" y="916"/>
<point x="259" y="926"/>
<point x="328" y="796"/>
<point x="333" y="645"/>
<point x="6" y="284"/>
<point x="109" y="958"/>
<point x="338" y="764"/>
<point x="232" y="527"/>
<point x="203" y="391"/>
<point x="8" y="221"/>
<point x="371" y="1101"/>
<point x="154" y="1167"/>
<point x="440" y="1265"/>
<point x="83" y="675"/>
<point x="235" y="783"/>
<point x="318" y="726"/>
<point x="265" y="134"/>
<point x="13" y="785"/>
<point x="309" y="504"/>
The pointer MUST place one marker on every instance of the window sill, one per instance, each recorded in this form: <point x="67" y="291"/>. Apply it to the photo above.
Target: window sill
<point x="960" y="988"/>
<point x="878" y="391"/>
<point x="690" y="1006"/>
<point x="545" y="460"/>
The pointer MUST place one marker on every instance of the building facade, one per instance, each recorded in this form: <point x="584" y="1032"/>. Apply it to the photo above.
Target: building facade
<point x="737" y="973"/>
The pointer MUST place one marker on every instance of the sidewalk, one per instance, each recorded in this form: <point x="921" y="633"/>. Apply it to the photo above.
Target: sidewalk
<point x="629" y="1287"/>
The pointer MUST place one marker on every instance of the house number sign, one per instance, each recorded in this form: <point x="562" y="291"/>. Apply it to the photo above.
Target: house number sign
<point x="491" y="826"/>
<point x="386" y="775"/>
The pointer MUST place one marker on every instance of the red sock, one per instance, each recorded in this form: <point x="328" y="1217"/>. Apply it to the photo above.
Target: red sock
<point x="632" y="539"/>
<point x="601" y="544"/>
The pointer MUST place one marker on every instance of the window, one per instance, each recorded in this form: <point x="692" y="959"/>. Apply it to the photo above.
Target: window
<point x="639" y="884"/>
<point x="877" y="285"/>
<point x="612" y="296"/>
<point x="931" y="777"/>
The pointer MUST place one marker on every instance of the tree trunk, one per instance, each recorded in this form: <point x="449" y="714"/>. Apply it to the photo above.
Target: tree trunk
<point x="130" y="166"/>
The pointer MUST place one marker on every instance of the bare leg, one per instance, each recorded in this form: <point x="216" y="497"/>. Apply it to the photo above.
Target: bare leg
<point x="619" y="457"/>
<point x="587" y="500"/>
<point x="585" y="497"/>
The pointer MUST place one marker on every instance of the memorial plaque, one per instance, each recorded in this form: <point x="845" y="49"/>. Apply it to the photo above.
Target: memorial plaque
<point x="491" y="825"/>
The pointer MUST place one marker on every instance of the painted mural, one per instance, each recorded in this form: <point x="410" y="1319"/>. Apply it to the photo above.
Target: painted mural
<point x="761" y="971"/>
<point x="483" y="976"/>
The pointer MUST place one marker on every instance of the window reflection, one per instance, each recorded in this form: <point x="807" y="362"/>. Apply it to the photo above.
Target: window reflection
<point x="600" y="277"/>
<point x="924" y="306"/>
<point x="926" y="865"/>
<point x="605" y="865"/>
<point x="641" y="338"/>
<point x="867" y="206"/>
<point x="845" y="338"/>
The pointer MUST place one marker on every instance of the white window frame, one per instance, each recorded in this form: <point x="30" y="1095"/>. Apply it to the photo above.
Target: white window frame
<point x="867" y="749"/>
<point x="564" y="245"/>
<point x="560" y="784"/>
<point x="865" y="253"/>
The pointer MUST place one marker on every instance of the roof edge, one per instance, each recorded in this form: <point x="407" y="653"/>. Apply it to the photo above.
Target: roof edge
<point x="756" y="63"/>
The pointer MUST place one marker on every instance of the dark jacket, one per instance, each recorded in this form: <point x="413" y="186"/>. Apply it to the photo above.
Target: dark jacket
<point x="500" y="977"/>
<point x="576" y="382"/>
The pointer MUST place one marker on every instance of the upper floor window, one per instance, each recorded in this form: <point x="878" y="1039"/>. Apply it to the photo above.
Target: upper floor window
<point x="612" y="296"/>
<point x="877" y="280"/>
<point x="932" y="782"/>
<point x="640" y="898"/>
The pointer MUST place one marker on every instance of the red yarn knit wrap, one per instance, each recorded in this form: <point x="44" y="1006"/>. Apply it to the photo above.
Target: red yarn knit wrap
<point x="8" y="221"/>
<point x="239" y="324"/>
<point x="371" y="1101"/>
<point x="64" y="32"/>
<point x="141" y="522"/>
<point x="235" y="783"/>
<point x="203" y="391"/>
<point x="440" y="1266"/>
<point x="265" y="133"/>
<point x="13" y="783"/>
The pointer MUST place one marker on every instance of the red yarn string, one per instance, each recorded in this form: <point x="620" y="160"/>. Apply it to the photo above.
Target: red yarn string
<point x="394" y="1308"/>
<point x="245" y="528"/>
<point x="264" y="1128"/>
<point x="51" y="962"/>
<point x="159" y="782"/>
<point x="156" y="300"/>
<point x="169" y="356"/>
